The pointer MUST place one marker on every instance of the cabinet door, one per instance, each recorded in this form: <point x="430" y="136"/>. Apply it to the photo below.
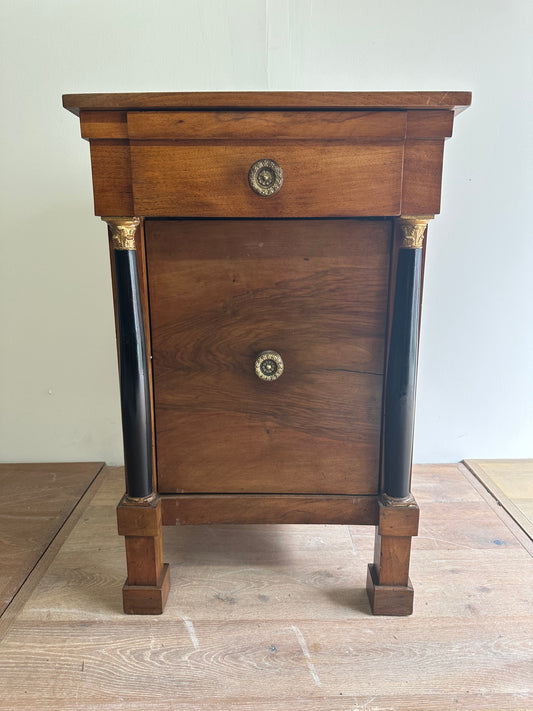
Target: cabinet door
<point x="221" y="292"/>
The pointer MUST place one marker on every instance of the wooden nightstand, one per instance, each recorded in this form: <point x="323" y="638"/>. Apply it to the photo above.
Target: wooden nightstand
<point x="267" y="254"/>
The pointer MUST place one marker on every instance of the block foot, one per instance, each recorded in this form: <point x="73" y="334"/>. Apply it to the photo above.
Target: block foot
<point x="394" y="600"/>
<point x="147" y="599"/>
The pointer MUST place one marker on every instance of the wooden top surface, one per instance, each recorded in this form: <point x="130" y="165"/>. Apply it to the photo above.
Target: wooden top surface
<point x="273" y="100"/>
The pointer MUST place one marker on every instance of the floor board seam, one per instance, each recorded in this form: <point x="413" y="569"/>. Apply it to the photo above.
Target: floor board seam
<point x="504" y="515"/>
<point x="83" y="501"/>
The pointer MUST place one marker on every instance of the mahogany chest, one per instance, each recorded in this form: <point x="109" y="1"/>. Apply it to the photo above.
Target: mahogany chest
<point x="267" y="256"/>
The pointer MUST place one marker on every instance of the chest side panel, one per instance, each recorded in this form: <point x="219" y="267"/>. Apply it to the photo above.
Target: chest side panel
<point x="223" y="291"/>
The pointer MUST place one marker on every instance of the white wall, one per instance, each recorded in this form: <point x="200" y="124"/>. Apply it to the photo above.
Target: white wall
<point x="59" y="393"/>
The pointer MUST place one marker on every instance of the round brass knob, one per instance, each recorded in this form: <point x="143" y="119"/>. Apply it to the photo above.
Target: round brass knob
<point x="268" y="365"/>
<point x="265" y="177"/>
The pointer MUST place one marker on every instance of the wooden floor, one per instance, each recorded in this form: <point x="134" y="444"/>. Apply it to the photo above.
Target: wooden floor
<point x="36" y="501"/>
<point x="510" y="481"/>
<point x="276" y="617"/>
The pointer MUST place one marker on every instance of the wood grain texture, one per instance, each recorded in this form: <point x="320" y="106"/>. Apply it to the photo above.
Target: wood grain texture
<point x="390" y="600"/>
<point x="525" y="541"/>
<point x="181" y="180"/>
<point x="190" y="509"/>
<point x="13" y="609"/>
<point x="429" y="124"/>
<point x="220" y="293"/>
<point x="146" y="588"/>
<point x="231" y="661"/>
<point x="138" y="520"/>
<point x="144" y="557"/>
<point x="103" y="124"/>
<point x="279" y="100"/>
<point x="245" y="599"/>
<point x="398" y="520"/>
<point x="111" y="170"/>
<point x="510" y="481"/>
<point x="262" y="125"/>
<point x="319" y="179"/>
<point x="422" y="174"/>
<point x="147" y="599"/>
<point x="37" y="500"/>
<point x="391" y="560"/>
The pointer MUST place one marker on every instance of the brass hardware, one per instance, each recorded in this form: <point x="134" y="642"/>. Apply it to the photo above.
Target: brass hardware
<point x="411" y="230"/>
<point x="139" y="500"/>
<point x="123" y="231"/>
<point x="387" y="500"/>
<point x="268" y="365"/>
<point x="265" y="177"/>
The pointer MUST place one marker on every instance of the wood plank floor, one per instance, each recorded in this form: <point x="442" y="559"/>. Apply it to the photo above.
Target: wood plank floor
<point x="36" y="501"/>
<point x="276" y="617"/>
<point x="510" y="481"/>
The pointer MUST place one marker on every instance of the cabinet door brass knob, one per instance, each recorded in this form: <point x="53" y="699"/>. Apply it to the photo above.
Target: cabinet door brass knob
<point x="268" y="365"/>
<point x="265" y="177"/>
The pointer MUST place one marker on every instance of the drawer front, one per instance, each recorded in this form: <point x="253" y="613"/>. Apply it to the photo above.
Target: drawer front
<point x="320" y="179"/>
<point x="221" y="292"/>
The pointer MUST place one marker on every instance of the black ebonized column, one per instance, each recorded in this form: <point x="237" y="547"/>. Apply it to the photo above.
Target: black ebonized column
<point x="134" y="385"/>
<point x="400" y="389"/>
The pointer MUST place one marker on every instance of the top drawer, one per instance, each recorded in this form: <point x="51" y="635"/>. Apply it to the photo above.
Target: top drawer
<point x="334" y="164"/>
<point x="341" y="163"/>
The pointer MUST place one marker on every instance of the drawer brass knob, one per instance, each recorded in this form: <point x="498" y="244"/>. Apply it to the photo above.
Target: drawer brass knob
<point x="268" y="365"/>
<point x="265" y="177"/>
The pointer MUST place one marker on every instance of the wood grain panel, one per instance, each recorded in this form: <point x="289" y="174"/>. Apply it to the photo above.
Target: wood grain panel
<point x="258" y="125"/>
<point x="422" y="175"/>
<point x="110" y="161"/>
<point x="391" y="559"/>
<point x="144" y="555"/>
<point x="320" y="179"/>
<point x="138" y="519"/>
<point x="103" y="124"/>
<point x="263" y="509"/>
<point x="429" y="124"/>
<point x="221" y="292"/>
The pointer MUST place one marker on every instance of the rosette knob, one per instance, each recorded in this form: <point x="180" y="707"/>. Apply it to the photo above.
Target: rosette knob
<point x="265" y="177"/>
<point x="268" y="365"/>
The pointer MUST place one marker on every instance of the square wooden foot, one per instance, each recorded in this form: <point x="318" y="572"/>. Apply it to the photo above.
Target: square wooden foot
<point x="147" y="599"/>
<point x="388" y="599"/>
